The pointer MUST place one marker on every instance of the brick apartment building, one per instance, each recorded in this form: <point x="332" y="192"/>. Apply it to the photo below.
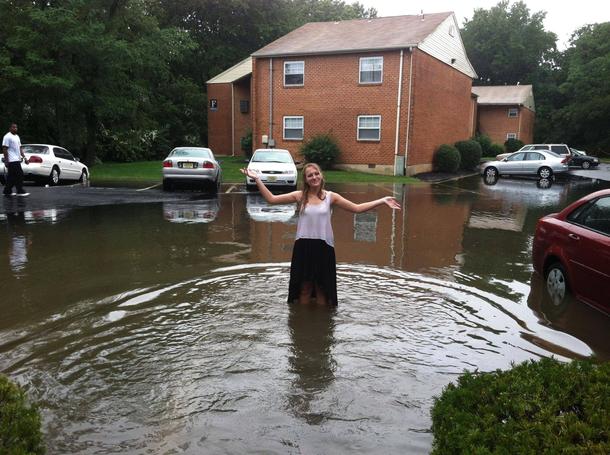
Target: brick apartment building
<point x="390" y="90"/>
<point x="505" y="112"/>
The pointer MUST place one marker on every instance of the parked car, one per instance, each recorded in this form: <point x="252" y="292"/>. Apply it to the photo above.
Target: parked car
<point x="559" y="149"/>
<point x="275" y="167"/>
<point x="571" y="250"/>
<point x="544" y="164"/>
<point x="49" y="164"/>
<point x="194" y="165"/>
<point x="581" y="159"/>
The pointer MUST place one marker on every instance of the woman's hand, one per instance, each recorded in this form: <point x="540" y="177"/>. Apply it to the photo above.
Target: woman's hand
<point x="391" y="202"/>
<point x="249" y="173"/>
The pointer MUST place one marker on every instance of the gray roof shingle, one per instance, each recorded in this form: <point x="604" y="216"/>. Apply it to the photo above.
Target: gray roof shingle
<point x="354" y="36"/>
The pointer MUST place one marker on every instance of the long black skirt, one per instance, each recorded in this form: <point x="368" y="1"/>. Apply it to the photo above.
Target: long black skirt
<point x="313" y="260"/>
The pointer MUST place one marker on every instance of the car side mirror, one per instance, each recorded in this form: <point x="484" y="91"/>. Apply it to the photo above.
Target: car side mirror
<point x="219" y="161"/>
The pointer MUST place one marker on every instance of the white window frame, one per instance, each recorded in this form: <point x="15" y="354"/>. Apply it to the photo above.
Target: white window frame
<point x="358" y="128"/>
<point x="511" y="136"/>
<point x="364" y="59"/>
<point x="302" y="73"/>
<point x="513" y="112"/>
<point x="293" y="117"/>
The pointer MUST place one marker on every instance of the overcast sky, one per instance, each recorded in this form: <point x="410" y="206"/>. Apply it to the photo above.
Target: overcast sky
<point x="562" y="18"/>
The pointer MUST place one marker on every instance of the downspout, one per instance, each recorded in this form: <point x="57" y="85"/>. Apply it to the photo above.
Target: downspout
<point x="409" y="108"/>
<point x="519" y="124"/>
<point x="270" y="98"/>
<point x="232" y="120"/>
<point x="398" y="115"/>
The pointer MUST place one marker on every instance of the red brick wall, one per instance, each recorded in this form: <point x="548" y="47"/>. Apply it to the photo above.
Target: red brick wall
<point x="219" y="121"/>
<point x="495" y="122"/>
<point x="330" y="101"/>
<point x="441" y="108"/>
<point x="243" y="121"/>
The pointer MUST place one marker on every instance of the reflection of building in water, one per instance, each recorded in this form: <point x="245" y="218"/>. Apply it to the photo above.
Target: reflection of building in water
<point x="312" y="336"/>
<point x="365" y="227"/>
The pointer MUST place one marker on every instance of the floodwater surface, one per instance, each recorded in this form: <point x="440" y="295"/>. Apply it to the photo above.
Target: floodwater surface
<point x="163" y="328"/>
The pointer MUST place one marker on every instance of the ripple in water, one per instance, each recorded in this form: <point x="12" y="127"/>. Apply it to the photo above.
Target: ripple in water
<point x="223" y="365"/>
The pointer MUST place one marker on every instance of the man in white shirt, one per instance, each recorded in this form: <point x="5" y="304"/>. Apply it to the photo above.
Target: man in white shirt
<point x="11" y="148"/>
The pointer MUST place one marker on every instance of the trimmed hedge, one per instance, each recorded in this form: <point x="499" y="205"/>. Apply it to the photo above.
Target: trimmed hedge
<point x="470" y="154"/>
<point x="322" y="150"/>
<point x="485" y="142"/>
<point x="447" y="159"/>
<point x="496" y="149"/>
<point x="535" y="407"/>
<point x="512" y="145"/>
<point x="20" y="423"/>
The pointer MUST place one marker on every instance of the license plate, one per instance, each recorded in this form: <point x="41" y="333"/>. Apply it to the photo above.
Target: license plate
<point x="189" y="165"/>
<point x="271" y="178"/>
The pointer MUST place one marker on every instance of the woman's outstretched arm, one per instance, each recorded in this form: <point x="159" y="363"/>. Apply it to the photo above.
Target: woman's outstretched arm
<point x="365" y="206"/>
<point x="294" y="196"/>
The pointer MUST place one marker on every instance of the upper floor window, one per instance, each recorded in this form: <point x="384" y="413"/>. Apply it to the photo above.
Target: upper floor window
<point x="513" y="112"/>
<point x="369" y="127"/>
<point x="293" y="128"/>
<point x="371" y="70"/>
<point x="294" y="73"/>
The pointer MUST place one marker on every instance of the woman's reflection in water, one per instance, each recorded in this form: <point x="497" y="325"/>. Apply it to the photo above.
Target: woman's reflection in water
<point x="312" y="333"/>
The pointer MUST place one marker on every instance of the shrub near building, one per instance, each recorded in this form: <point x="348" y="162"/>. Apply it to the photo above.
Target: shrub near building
<point x="447" y="159"/>
<point x="322" y="150"/>
<point x="19" y="422"/>
<point x="470" y="154"/>
<point x="536" y="407"/>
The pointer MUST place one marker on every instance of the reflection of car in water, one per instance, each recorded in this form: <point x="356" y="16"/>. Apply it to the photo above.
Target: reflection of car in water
<point x="260" y="210"/>
<point x="202" y="211"/>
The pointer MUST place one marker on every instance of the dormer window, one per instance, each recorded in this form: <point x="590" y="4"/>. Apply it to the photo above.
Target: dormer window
<point x="371" y="70"/>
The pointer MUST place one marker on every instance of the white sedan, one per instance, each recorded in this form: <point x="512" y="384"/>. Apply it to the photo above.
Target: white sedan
<point x="275" y="168"/>
<point x="49" y="163"/>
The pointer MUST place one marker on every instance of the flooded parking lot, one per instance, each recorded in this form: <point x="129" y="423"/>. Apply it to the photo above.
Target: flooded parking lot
<point x="161" y="326"/>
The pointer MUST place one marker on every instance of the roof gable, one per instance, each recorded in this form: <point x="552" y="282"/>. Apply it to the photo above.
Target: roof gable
<point x="381" y="33"/>
<point x="236" y="72"/>
<point x="522" y="95"/>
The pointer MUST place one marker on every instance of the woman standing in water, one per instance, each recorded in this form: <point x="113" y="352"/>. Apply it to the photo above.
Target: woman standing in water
<point x="313" y="266"/>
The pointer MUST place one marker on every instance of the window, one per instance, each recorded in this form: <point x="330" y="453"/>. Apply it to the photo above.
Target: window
<point x="534" y="156"/>
<point x="511" y="135"/>
<point x="560" y="149"/>
<point x="293" y="128"/>
<point x="369" y="127"/>
<point x="294" y="73"/>
<point x="516" y="157"/>
<point x="513" y="112"/>
<point x="371" y="70"/>
<point x="594" y="215"/>
<point x="244" y="106"/>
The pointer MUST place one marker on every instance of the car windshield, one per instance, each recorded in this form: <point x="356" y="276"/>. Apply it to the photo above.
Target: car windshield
<point x="36" y="149"/>
<point x="192" y="153"/>
<point x="270" y="156"/>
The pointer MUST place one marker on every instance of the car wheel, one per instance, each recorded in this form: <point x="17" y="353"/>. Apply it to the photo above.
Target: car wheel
<point x="491" y="172"/>
<point x="545" y="172"/>
<point x="167" y="185"/>
<point x="84" y="177"/>
<point x="556" y="283"/>
<point x="54" y="176"/>
<point x="586" y="165"/>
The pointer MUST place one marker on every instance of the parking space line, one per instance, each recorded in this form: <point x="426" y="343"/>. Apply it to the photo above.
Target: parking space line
<point x="150" y="187"/>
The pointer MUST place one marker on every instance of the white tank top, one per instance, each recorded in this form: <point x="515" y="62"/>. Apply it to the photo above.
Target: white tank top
<point x="314" y="222"/>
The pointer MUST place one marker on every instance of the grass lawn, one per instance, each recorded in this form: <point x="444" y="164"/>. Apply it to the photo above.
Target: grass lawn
<point x="150" y="172"/>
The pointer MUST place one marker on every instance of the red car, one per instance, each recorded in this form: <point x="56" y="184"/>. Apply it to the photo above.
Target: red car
<point x="572" y="251"/>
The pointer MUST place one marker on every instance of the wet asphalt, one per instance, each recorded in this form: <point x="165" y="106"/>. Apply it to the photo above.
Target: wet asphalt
<point x="77" y="195"/>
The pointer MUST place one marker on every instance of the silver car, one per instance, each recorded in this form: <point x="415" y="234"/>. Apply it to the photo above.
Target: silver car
<point x="544" y="164"/>
<point x="191" y="165"/>
<point x="49" y="163"/>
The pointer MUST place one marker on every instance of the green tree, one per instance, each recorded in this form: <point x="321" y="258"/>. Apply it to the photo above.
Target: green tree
<point x="583" y="119"/>
<point x="507" y="44"/>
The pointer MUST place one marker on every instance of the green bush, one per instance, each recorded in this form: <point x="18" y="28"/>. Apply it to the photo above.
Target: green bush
<point x="245" y="143"/>
<point x="470" y="154"/>
<point x="447" y="159"/>
<point x="512" y="145"/>
<point x="485" y="142"/>
<point x="496" y="149"/>
<point x="20" y="423"/>
<point x="535" y="407"/>
<point x="321" y="149"/>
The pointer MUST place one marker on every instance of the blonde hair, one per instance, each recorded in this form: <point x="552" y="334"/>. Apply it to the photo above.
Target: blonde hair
<point x="307" y="188"/>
